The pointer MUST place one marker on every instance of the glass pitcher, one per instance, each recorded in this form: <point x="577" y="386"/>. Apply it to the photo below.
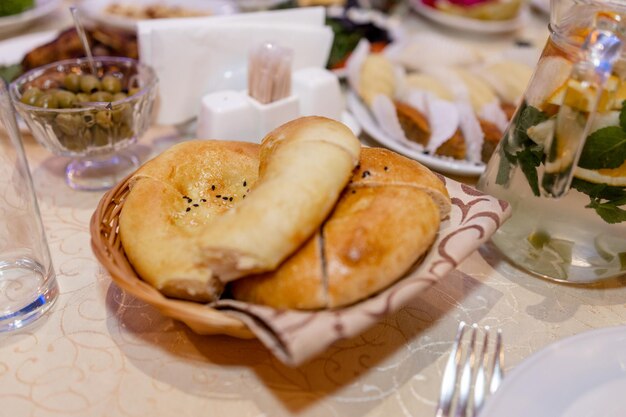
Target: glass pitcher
<point x="562" y="161"/>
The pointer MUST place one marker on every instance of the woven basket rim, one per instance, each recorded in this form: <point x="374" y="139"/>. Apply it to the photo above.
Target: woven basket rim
<point x="107" y="248"/>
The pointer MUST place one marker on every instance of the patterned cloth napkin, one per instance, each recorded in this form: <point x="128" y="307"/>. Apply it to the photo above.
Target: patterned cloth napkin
<point x="297" y="336"/>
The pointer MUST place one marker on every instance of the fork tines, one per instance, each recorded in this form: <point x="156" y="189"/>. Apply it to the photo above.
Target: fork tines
<point x="473" y="371"/>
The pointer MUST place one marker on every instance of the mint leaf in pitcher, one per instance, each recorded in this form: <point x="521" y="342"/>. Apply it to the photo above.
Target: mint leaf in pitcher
<point x="604" y="148"/>
<point x="520" y="149"/>
<point x="609" y="211"/>
<point x="529" y="159"/>
<point x="606" y="200"/>
<point x="530" y="116"/>
<point x="599" y="191"/>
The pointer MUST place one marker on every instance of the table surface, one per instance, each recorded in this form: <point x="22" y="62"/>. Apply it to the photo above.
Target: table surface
<point x="100" y="352"/>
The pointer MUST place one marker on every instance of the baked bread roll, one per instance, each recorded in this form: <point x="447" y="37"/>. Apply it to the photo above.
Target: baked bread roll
<point x="187" y="226"/>
<point x="303" y="168"/>
<point x="386" y="219"/>
<point x="172" y="197"/>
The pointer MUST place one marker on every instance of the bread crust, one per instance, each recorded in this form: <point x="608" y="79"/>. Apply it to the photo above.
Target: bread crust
<point x="298" y="283"/>
<point x="157" y="230"/>
<point x="305" y="164"/>
<point x="384" y="222"/>
<point x="374" y="235"/>
<point x="188" y="228"/>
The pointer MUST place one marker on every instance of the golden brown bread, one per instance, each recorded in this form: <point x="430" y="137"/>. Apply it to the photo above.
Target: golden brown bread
<point x="386" y="219"/>
<point x="187" y="226"/>
<point x="171" y="197"/>
<point x="304" y="166"/>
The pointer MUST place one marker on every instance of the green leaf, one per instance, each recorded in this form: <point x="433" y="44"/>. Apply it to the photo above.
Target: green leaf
<point x="11" y="7"/>
<point x="529" y="159"/>
<point x="609" y="211"/>
<point x="344" y="42"/>
<point x="604" y="148"/>
<point x="529" y="116"/>
<point x="10" y="72"/>
<point x="507" y="161"/>
<point x="519" y="149"/>
<point x="599" y="191"/>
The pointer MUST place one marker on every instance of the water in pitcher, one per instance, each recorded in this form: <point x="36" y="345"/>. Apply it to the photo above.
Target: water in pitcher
<point x="581" y="236"/>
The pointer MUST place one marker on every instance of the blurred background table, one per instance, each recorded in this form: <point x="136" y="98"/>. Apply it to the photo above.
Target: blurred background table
<point x="102" y="353"/>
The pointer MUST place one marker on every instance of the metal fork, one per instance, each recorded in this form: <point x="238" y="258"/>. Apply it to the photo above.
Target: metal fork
<point x="470" y="376"/>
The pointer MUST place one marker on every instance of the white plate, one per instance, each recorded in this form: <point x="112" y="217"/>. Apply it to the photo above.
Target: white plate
<point x="14" y="22"/>
<point x="581" y="376"/>
<point x="471" y="25"/>
<point x="12" y="50"/>
<point x="95" y="10"/>
<point x="441" y="164"/>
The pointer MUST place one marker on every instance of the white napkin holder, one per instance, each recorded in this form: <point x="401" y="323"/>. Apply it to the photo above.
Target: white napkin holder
<point x="234" y="115"/>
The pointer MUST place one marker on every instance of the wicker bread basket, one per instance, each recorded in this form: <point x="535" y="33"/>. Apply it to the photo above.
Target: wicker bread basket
<point x="107" y="247"/>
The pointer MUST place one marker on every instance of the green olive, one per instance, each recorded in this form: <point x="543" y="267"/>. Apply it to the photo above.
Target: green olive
<point x="126" y="132"/>
<point x="102" y="96"/>
<point x="66" y="99"/>
<point x="89" y="83"/>
<point x="111" y="84"/>
<point x="100" y="136"/>
<point x="119" y="96"/>
<point x="120" y="112"/>
<point x="72" y="82"/>
<point x="104" y="119"/>
<point x="89" y="119"/>
<point x="47" y="101"/>
<point x="82" y="98"/>
<point x="133" y="91"/>
<point x="69" y="124"/>
<point x="31" y="95"/>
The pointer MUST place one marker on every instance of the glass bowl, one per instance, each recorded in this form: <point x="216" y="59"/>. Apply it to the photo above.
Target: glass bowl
<point x="95" y="134"/>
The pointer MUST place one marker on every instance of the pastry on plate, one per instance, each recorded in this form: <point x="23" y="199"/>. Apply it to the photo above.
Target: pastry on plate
<point x="479" y="9"/>
<point x="377" y="76"/>
<point x="509" y="80"/>
<point x="417" y="129"/>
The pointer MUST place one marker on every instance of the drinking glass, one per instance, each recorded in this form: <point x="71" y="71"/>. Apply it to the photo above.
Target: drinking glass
<point x="27" y="281"/>
<point x="562" y="161"/>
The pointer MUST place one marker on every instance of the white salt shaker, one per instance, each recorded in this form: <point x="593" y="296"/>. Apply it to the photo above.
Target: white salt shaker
<point x="319" y="92"/>
<point x="227" y="115"/>
<point x="234" y="115"/>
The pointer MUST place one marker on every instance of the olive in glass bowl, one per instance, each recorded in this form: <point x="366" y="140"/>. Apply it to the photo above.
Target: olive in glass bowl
<point x="88" y="114"/>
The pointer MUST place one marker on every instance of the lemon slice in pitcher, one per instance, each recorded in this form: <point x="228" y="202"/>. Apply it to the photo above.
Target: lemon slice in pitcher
<point x="582" y="96"/>
<point x="610" y="176"/>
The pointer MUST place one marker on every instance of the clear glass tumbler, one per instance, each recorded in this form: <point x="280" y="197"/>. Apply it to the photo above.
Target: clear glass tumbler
<point x="27" y="281"/>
